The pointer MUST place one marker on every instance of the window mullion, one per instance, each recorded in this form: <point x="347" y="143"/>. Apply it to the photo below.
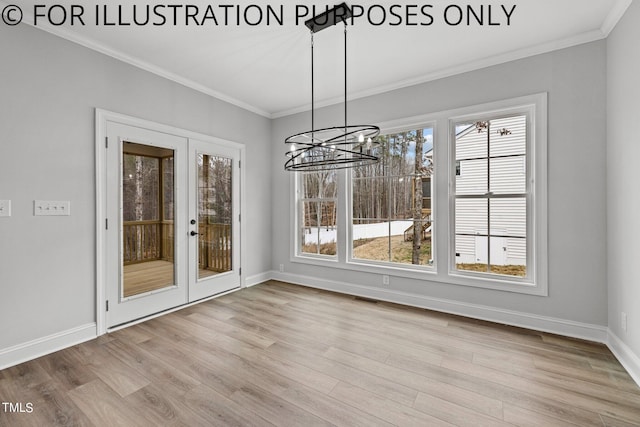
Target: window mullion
<point x="489" y="196"/>
<point x="343" y="215"/>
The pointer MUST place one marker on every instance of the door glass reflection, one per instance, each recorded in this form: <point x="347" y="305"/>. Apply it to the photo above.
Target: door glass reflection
<point x="148" y="190"/>
<point x="215" y="212"/>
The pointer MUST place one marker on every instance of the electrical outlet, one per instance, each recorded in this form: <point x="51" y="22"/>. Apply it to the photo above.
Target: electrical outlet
<point x="5" y="207"/>
<point x="281" y="268"/>
<point x="385" y="279"/>
<point x="51" y="208"/>
<point x="623" y="321"/>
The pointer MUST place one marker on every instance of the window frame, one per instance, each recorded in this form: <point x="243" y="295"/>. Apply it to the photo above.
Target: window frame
<point x="441" y="272"/>
<point x="297" y="202"/>
<point x="529" y="113"/>
<point x="535" y="108"/>
<point x="409" y="270"/>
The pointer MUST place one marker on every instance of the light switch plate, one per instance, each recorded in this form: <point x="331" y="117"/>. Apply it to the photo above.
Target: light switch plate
<point x="51" y="208"/>
<point x="5" y="208"/>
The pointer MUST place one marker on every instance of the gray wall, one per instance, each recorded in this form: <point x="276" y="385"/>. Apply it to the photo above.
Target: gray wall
<point x="623" y="191"/>
<point x="49" y="89"/>
<point x="575" y="80"/>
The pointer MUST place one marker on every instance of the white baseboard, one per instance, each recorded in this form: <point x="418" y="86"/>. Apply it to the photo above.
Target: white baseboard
<point x="508" y="317"/>
<point x="257" y="279"/>
<point x="39" y="347"/>
<point x="42" y="346"/>
<point x="630" y="361"/>
<point x="627" y="358"/>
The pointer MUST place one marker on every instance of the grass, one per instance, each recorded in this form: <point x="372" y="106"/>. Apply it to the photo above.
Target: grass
<point x="401" y="251"/>
<point x="509" y="270"/>
<point x="325" y="248"/>
<point x="377" y="249"/>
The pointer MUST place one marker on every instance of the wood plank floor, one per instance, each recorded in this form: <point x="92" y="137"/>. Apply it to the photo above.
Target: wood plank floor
<point x="151" y="275"/>
<point x="147" y="276"/>
<point x="279" y="354"/>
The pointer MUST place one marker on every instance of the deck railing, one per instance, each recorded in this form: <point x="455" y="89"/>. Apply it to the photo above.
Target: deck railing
<point x="214" y="247"/>
<point x="141" y="241"/>
<point x="154" y="240"/>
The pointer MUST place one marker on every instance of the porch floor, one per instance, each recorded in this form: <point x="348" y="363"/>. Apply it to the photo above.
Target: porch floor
<point x="152" y="275"/>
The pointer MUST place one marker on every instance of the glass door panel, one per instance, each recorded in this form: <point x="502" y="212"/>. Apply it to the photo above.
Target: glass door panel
<point x="215" y="210"/>
<point x="147" y="218"/>
<point x="214" y="223"/>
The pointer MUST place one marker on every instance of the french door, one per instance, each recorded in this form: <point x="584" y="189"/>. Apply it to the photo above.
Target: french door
<point x="172" y="221"/>
<point x="214" y="219"/>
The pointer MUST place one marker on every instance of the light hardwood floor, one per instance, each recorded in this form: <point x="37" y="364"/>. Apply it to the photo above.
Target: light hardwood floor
<point x="279" y="354"/>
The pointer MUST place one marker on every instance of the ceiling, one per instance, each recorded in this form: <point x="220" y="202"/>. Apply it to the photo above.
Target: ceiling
<point x="265" y="68"/>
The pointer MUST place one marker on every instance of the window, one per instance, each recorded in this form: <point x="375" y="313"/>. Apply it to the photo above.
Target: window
<point x="497" y="196"/>
<point x="490" y="209"/>
<point x="480" y="171"/>
<point x="391" y="201"/>
<point x="317" y="213"/>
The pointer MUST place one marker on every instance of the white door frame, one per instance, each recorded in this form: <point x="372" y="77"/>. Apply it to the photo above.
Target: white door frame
<point x="102" y="117"/>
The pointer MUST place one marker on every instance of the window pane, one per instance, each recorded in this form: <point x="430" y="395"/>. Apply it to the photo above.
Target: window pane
<point x="389" y="198"/>
<point x="370" y="198"/>
<point x="508" y="175"/>
<point x="470" y="143"/>
<point x="471" y="216"/>
<point x="509" y="217"/>
<point x="328" y="233"/>
<point x="465" y="249"/>
<point x="317" y="212"/>
<point x="509" y="136"/>
<point x="401" y="204"/>
<point x="309" y="227"/>
<point x="318" y="233"/>
<point x="371" y="240"/>
<point x="391" y="241"/>
<point x="318" y="185"/>
<point x="472" y="178"/>
<point x="402" y="248"/>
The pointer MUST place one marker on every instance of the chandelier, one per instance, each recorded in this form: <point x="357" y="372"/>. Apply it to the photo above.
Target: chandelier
<point x="336" y="147"/>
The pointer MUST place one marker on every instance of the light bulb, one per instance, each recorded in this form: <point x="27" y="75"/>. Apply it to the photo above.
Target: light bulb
<point x="361" y="138"/>
<point x="369" y="143"/>
<point x="293" y="147"/>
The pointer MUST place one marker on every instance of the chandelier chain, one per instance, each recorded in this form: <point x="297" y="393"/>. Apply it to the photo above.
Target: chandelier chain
<point x="337" y="147"/>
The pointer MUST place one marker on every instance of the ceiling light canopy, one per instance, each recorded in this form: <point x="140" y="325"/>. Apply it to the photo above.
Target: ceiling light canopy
<point x="334" y="147"/>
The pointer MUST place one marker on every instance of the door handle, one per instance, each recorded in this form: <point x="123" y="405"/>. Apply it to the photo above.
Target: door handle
<point x="194" y="233"/>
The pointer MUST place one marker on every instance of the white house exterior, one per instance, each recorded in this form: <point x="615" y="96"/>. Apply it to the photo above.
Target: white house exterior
<point x="505" y="165"/>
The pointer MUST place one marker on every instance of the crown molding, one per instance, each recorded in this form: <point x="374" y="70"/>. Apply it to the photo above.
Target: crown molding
<point x="113" y="53"/>
<point x="608" y="25"/>
<point x="459" y="69"/>
<point x="615" y="14"/>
